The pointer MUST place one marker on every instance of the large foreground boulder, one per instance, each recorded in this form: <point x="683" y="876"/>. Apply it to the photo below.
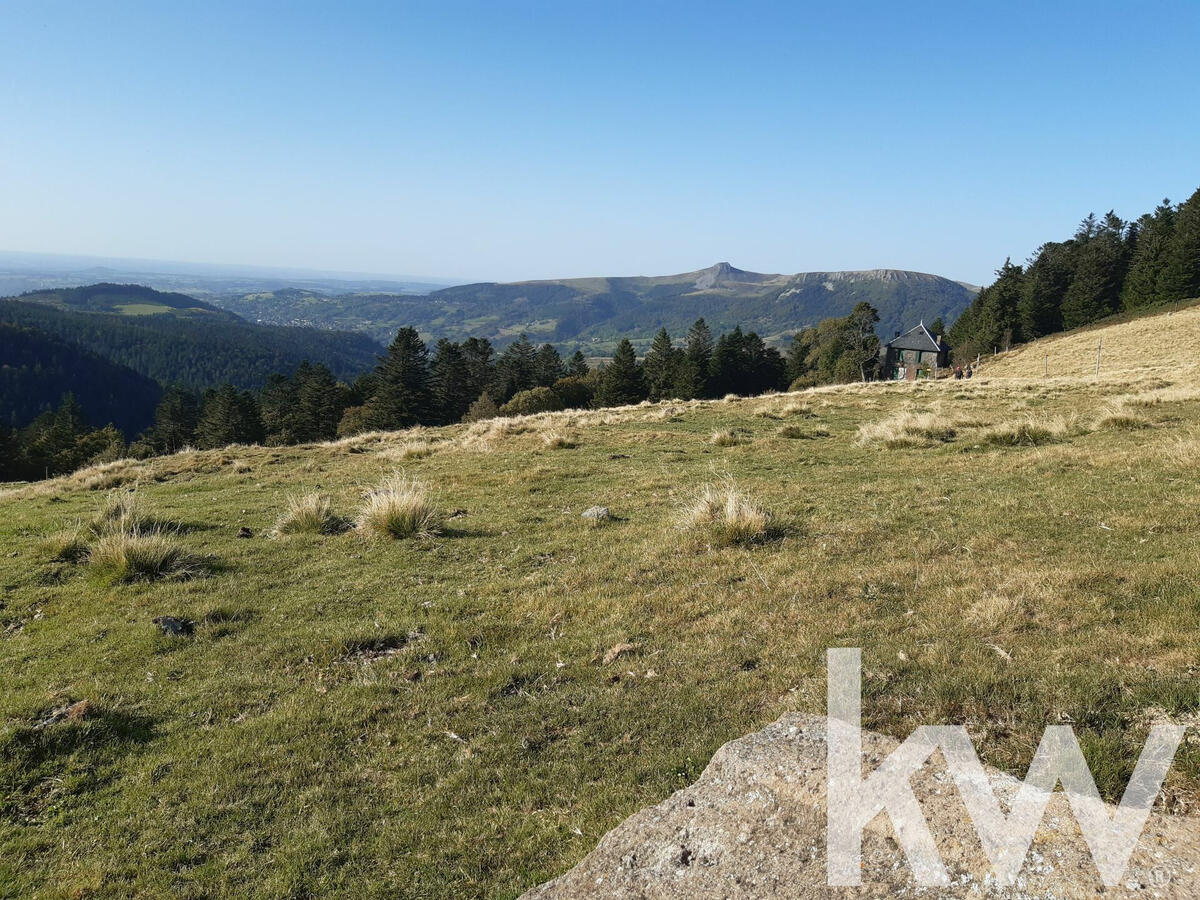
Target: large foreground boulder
<point x="753" y="826"/>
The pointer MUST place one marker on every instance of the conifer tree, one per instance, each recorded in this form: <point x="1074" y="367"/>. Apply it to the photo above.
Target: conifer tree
<point x="228" y="416"/>
<point x="1149" y="257"/>
<point x="548" y="366"/>
<point x="479" y="359"/>
<point x="402" y="397"/>
<point x="321" y="401"/>
<point x="661" y="366"/>
<point x="578" y="366"/>
<point x="693" y="371"/>
<point x="175" y="420"/>
<point x="450" y="381"/>
<point x="622" y="382"/>
<point x="1180" y="278"/>
<point x="1101" y="262"/>
<point x="1039" y="308"/>
<point x="516" y="370"/>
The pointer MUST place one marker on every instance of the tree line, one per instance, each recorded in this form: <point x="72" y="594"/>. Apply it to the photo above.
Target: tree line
<point x="1108" y="266"/>
<point x="455" y="382"/>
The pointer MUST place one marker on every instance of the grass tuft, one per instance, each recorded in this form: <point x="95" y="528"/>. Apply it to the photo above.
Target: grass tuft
<point x="556" y="440"/>
<point x="68" y="545"/>
<point x="122" y="513"/>
<point x="400" y="507"/>
<point x="726" y="515"/>
<point x="905" y="430"/>
<point x="726" y="437"/>
<point x="1029" y="433"/>
<point x="310" y="513"/>
<point x="123" y="557"/>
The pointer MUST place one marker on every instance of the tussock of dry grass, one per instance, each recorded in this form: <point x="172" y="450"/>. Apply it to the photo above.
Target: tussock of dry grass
<point x="400" y="507"/>
<point x="417" y="448"/>
<point x="68" y="545"/>
<point x="904" y="430"/>
<point x="726" y="437"/>
<point x="1027" y="433"/>
<point x="310" y="513"/>
<point x="1119" y="418"/>
<point x="726" y="515"/>
<point x="122" y="513"/>
<point x="122" y="557"/>
<point x="557" y="440"/>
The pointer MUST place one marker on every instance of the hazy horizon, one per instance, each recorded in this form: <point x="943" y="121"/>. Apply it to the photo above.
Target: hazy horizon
<point x="474" y="142"/>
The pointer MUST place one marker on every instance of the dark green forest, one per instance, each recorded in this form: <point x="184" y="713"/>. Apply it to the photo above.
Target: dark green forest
<point x="196" y="348"/>
<point x="38" y="369"/>
<point x="1108" y="266"/>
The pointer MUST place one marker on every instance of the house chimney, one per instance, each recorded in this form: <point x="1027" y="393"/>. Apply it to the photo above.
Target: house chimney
<point x="939" y="340"/>
<point x="896" y="335"/>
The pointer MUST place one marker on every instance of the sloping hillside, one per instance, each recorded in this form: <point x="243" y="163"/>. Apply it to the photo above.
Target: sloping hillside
<point x="594" y="313"/>
<point x="464" y="714"/>
<point x="37" y="369"/>
<point x="1164" y="343"/>
<point x="158" y="336"/>
<point x="126" y="300"/>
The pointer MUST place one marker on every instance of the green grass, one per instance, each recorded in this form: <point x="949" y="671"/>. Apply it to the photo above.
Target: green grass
<point x="434" y="717"/>
<point x="141" y="309"/>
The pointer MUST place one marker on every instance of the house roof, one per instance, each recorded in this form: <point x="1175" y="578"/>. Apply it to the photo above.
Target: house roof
<point x="918" y="338"/>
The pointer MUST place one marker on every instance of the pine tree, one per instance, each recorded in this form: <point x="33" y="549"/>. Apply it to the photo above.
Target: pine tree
<point x="228" y="416"/>
<point x="698" y="350"/>
<point x="278" y="407"/>
<point x="727" y="366"/>
<point x="1180" y="279"/>
<point x="1039" y="308"/>
<point x="321" y="402"/>
<point x="1149" y="257"/>
<point x="450" y="381"/>
<point x="622" y="382"/>
<point x="578" y="366"/>
<point x="661" y="366"/>
<point x="479" y="358"/>
<point x="548" y="366"/>
<point x="175" y="420"/>
<point x="1101" y="262"/>
<point x="516" y="370"/>
<point x="402" y="397"/>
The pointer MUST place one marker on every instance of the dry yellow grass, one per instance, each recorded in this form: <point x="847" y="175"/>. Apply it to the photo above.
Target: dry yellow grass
<point x="310" y="513"/>
<point x="726" y="515"/>
<point x="1145" y="345"/>
<point x="400" y="507"/>
<point x="906" y="429"/>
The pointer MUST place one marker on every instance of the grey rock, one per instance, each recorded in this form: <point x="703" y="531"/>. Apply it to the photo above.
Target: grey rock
<point x="597" y="513"/>
<point x="753" y="826"/>
<point x="174" y="626"/>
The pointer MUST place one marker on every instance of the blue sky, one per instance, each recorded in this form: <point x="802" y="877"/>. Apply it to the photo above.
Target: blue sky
<point x="504" y="140"/>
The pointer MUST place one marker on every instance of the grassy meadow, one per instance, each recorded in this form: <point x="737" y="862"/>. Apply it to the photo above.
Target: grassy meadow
<point x="459" y="697"/>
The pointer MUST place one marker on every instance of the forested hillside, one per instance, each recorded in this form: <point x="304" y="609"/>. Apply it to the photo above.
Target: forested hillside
<point x="196" y="346"/>
<point x="596" y="313"/>
<point x="1108" y="266"/>
<point x="37" y="369"/>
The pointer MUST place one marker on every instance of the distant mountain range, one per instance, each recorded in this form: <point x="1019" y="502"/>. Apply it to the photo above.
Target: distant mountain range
<point x="593" y="313"/>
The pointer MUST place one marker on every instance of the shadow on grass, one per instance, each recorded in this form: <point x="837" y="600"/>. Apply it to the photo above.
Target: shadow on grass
<point x="69" y="751"/>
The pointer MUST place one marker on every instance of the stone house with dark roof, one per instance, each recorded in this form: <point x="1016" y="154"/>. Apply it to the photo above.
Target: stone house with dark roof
<point x="913" y="353"/>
